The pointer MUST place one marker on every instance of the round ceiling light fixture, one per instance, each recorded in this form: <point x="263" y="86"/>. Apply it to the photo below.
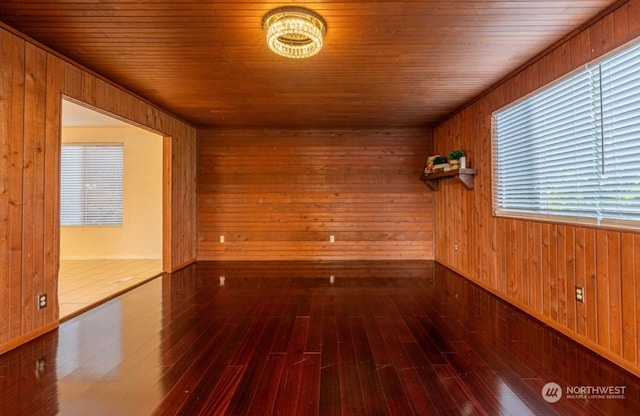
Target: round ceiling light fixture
<point x="294" y="32"/>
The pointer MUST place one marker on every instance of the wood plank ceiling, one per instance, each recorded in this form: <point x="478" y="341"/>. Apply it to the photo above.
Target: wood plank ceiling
<point x="385" y="64"/>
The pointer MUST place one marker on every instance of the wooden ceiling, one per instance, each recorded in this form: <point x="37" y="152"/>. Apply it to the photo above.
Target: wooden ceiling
<point x="384" y="64"/>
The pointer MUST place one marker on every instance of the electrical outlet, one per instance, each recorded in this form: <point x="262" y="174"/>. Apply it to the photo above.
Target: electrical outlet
<point x="222" y="239"/>
<point x="580" y="294"/>
<point x="332" y="239"/>
<point x="455" y="247"/>
<point x="42" y="301"/>
<point x="332" y="279"/>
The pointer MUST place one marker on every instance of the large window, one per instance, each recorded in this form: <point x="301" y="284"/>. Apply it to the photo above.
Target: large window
<point x="570" y="152"/>
<point x="91" y="184"/>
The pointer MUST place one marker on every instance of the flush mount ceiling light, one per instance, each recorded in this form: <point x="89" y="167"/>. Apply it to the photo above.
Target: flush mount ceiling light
<point x="294" y="32"/>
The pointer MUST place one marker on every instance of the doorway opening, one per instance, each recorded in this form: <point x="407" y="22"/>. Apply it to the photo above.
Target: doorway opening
<point x="111" y="229"/>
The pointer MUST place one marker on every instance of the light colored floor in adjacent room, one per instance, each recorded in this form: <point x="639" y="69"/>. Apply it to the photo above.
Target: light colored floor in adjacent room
<point x="85" y="283"/>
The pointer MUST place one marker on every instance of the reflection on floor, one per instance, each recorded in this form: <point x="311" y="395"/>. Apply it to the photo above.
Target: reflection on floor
<point x="83" y="284"/>
<point x="310" y="338"/>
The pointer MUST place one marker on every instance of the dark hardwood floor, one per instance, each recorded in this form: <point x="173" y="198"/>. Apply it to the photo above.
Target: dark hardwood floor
<point x="285" y="338"/>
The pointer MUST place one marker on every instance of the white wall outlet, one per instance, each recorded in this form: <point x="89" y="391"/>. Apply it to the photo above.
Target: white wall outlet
<point x="332" y="239"/>
<point x="222" y="239"/>
<point x="42" y="301"/>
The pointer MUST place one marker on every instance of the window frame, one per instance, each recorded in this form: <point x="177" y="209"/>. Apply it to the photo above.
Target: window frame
<point x="86" y="210"/>
<point x="505" y="212"/>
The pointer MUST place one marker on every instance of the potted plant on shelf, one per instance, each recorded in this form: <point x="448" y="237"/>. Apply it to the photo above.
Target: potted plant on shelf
<point x="454" y="158"/>
<point x="440" y="163"/>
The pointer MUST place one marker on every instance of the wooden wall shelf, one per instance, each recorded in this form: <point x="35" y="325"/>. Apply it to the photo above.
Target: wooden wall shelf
<point x="466" y="176"/>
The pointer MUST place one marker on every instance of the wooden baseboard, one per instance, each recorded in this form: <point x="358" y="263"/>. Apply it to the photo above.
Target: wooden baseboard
<point x="180" y="266"/>
<point x="16" y="342"/>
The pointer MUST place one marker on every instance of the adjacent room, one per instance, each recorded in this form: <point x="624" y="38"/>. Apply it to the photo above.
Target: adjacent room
<point x="111" y="208"/>
<point x="320" y="208"/>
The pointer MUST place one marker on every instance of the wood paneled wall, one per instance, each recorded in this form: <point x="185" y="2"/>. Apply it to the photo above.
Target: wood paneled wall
<point x="32" y="83"/>
<point x="535" y="265"/>
<point x="282" y="194"/>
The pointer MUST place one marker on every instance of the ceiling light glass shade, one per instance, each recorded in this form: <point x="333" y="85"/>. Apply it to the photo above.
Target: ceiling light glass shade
<point x="294" y="32"/>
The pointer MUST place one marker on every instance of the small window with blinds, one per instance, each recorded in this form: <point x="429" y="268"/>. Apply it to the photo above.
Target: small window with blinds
<point x="570" y="152"/>
<point x="91" y="185"/>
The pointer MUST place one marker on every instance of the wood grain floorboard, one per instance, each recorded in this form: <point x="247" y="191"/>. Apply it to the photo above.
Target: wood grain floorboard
<point x="330" y="397"/>
<point x="267" y="390"/>
<point x="282" y="338"/>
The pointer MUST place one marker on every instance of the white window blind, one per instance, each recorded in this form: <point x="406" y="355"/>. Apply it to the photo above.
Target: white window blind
<point x="620" y="180"/>
<point x="571" y="151"/>
<point x="91" y="184"/>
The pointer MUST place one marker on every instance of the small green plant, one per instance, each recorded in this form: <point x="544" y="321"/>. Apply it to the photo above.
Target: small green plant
<point x="439" y="160"/>
<point x="456" y="154"/>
